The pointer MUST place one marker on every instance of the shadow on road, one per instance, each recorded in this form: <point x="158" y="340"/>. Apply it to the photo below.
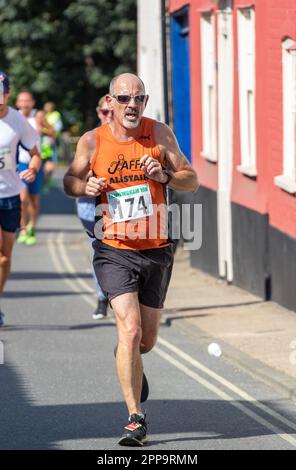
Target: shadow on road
<point x="175" y="311"/>
<point x="26" y="425"/>
<point x="40" y="275"/>
<point x="56" y="202"/>
<point x="38" y="327"/>
<point x="50" y="293"/>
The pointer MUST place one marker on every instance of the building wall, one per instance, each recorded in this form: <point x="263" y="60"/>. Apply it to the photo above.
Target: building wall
<point x="150" y="58"/>
<point x="246" y="191"/>
<point x="281" y="22"/>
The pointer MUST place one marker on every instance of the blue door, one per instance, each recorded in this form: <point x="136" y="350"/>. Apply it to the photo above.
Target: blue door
<point x="181" y="78"/>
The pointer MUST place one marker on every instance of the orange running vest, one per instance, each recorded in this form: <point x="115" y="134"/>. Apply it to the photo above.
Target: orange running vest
<point x="133" y="207"/>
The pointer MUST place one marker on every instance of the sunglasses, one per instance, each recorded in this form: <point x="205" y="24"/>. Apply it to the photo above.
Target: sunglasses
<point x="105" y="112"/>
<point x="125" y="99"/>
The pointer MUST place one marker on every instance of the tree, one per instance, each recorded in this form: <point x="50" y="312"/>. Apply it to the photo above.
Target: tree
<point x="68" y="50"/>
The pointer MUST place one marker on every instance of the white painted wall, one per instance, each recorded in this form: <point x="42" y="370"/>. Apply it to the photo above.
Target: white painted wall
<point x="225" y="150"/>
<point x="150" y="56"/>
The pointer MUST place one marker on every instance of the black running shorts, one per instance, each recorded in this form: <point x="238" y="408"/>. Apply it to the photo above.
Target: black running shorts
<point x="10" y="213"/>
<point x="147" y="272"/>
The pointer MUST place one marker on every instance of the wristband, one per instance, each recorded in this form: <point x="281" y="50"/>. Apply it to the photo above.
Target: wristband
<point x="169" y="175"/>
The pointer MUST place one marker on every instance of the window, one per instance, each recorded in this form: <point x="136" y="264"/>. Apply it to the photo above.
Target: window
<point x="287" y="180"/>
<point x="208" y="77"/>
<point x="246" y="78"/>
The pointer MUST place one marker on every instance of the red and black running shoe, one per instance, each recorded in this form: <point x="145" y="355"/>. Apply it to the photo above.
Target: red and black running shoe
<point x="135" y="432"/>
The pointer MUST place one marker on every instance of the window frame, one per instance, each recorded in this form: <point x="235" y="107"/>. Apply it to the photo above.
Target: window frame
<point x="287" y="180"/>
<point x="246" y="37"/>
<point x="208" y="86"/>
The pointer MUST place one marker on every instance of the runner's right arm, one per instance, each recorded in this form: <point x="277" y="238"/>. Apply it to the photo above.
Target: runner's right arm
<point x="29" y="139"/>
<point x="78" y="180"/>
<point x="29" y="175"/>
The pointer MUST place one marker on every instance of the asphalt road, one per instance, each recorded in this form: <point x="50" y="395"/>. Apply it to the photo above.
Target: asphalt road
<point x="58" y="384"/>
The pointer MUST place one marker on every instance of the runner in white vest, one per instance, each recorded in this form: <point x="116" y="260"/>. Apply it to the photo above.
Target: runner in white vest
<point x="14" y="130"/>
<point x="30" y="195"/>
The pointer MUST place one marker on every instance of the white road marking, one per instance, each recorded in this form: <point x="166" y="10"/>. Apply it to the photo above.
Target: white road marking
<point x="227" y="384"/>
<point x="52" y="247"/>
<point x="248" y="398"/>
<point x="263" y="422"/>
<point x="69" y="266"/>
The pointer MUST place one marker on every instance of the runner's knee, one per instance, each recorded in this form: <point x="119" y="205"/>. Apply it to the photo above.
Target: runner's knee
<point x="148" y="343"/>
<point x="34" y="202"/>
<point x="132" y="336"/>
<point x="5" y="261"/>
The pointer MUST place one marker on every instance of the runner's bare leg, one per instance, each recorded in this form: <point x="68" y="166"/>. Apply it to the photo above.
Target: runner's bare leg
<point x="128" y="358"/>
<point x="7" y="241"/>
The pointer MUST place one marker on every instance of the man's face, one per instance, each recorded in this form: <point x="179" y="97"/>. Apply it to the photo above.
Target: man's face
<point x="48" y="107"/>
<point x="104" y="113"/>
<point x="127" y="114"/>
<point x="25" y="103"/>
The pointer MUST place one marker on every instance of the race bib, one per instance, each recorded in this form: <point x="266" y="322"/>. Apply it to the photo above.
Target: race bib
<point x="5" y="159"/>
<point x="130" y="203"/>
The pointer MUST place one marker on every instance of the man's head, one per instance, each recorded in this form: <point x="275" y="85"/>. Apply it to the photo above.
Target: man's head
<point x="49" y="107"/>
<point x="4" y="90"/>
<point x="25" y="102"/>
<point x="127" y="100"/>
<point x="103" y="111"/>
<point x="40" y="119"/>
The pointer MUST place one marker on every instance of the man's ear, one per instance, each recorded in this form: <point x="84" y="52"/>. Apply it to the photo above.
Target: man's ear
<point x="7" y="96"/>
<point x="109" y="101"/>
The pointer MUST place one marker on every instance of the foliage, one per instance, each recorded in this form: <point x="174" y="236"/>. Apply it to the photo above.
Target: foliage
<point x="67" y="50"/>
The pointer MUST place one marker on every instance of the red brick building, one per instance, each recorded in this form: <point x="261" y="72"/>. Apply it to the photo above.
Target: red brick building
<point x="237" y="84"/>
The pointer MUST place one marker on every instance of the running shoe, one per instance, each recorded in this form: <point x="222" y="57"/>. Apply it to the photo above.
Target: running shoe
<point x="51" y="183"/>
<point x="135" y="432"/>
<point x="45" y="190"/>
<point x="145" y="385"/>
<point x="1" y="319"/>
<point x="101" y="310"/>
<point x="22" y="237"/>
<point x="31" y="236"/>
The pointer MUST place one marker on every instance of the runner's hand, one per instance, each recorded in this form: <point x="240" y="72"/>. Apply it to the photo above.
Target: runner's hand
<point x="153" y="169"/>
<point x="94" y="186"/>
<point x="28" y="175"/>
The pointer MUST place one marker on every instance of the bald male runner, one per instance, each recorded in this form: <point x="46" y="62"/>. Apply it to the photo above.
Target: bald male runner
<point x="127" y="165"/>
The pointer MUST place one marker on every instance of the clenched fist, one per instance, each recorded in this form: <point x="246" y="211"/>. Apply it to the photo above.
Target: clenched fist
<point x="28" y="175"/>
<point x="153" y="169"/>
<point x="94" y="186"/>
